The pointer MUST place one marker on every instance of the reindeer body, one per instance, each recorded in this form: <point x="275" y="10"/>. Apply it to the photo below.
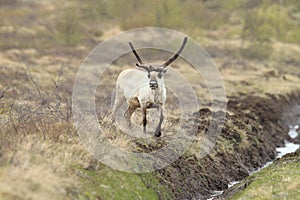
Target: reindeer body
<point x="133" y="87"/>
<point x="143" y="89"/>
<point x="133" y="83"/>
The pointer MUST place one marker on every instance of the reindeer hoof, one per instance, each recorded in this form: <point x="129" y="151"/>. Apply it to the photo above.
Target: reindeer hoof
<point x="157" y="134"/>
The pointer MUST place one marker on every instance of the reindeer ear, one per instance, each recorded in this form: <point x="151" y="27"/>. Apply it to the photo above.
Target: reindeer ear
<point x="164" y="70"/>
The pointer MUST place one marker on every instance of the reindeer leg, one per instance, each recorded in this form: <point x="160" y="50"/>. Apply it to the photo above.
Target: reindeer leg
<point x="130" y="110"/>
<point x="120" y="99"/>
<point x="133" y="105"/>
<point x="128" y="116"/>
<point x="157" y="132"/>
<point x="144" y="113"/>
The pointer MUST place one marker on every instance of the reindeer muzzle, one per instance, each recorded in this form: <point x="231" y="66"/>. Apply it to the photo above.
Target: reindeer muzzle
<point x="153" y="84"/>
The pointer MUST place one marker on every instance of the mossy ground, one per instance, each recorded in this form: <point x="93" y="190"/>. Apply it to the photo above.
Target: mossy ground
<point x="106" y="183"/>
<point x="280" y="180"/>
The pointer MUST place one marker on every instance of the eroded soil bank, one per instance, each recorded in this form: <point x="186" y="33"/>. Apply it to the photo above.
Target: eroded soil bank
<point x="254" y="127"/>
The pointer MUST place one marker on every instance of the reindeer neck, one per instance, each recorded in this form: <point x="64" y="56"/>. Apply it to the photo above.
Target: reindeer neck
<point x="156" y="94"/>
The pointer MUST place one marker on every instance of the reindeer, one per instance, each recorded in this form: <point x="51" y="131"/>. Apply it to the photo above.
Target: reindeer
<point x="143" y="88"/>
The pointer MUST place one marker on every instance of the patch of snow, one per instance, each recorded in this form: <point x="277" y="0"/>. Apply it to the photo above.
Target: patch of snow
<point x="289" y="148"/>
<point x="293" y="133"/>
<point x="214" y="194"/>
<point x="232" y="183"/>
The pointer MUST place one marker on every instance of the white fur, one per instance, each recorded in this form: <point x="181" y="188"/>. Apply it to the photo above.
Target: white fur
<point x="134" y="83"/>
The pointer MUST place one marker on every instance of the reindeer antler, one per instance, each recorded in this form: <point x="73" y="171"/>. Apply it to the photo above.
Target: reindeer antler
<point x="177" y="53"/>
<point x="143" y="66"/>
<point x="135" y="53"/>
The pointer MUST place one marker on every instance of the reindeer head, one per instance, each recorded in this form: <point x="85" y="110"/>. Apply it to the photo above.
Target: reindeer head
<point x="156" y="72"/>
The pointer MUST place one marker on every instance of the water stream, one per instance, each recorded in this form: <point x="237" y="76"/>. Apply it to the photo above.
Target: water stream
<point x="289" y="147"/>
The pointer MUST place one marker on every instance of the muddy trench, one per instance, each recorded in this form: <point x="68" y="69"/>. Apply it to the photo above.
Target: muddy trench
<point x="253" y="129"/>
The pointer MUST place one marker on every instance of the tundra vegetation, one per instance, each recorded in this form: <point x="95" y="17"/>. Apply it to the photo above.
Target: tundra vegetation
<point x="254" y="43"/>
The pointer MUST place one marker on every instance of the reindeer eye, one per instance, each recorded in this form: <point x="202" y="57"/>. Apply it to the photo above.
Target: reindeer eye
<point x="159" y="75"/>
<point x="148" y="75"/>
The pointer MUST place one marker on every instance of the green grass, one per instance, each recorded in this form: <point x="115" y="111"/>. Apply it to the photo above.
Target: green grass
<point x="278" y="181"/>
<point x="106" y="183"/>
<point x="68" y="29"/>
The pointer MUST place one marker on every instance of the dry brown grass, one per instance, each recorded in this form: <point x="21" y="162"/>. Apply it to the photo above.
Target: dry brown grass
<point x="39" y="169"/>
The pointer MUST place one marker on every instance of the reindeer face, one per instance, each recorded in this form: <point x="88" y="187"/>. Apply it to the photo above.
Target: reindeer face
<point x="155" y="75"/>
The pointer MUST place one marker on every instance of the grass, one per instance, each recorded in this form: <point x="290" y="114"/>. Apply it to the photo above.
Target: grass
<point x="277" y="181"/>
<point x="107" y="183"/>
<point x="42" y="154"/>
<point x="257" y="23"/>
<point x="68" y="29"/>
